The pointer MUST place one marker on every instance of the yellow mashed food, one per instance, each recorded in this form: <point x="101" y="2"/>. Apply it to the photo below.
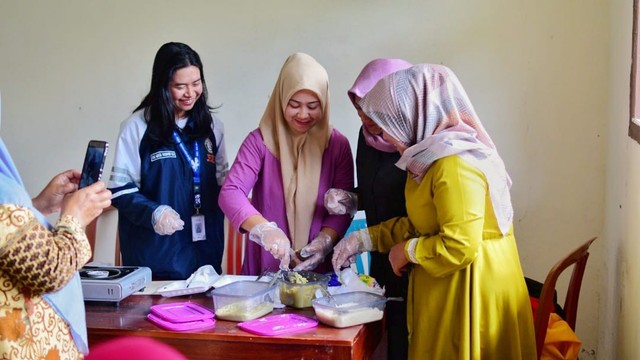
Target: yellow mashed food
<point x="239" y="311"/>
<point x="296" y="278"/>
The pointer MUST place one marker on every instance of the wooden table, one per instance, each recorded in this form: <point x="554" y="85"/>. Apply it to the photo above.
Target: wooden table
<point x="226" y="340"/>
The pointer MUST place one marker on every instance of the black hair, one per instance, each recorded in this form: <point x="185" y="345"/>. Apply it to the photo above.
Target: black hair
<point x="158" y="104"/>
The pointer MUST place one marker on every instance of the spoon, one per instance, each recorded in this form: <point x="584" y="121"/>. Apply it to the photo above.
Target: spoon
<point x="275" y="277"/>
<point x="331" y="298"/>
<point x="262" y="274"/>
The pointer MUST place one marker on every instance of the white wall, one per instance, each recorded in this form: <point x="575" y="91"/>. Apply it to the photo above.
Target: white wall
<point x="621" y="288"/>
<point x="537" y="72"/>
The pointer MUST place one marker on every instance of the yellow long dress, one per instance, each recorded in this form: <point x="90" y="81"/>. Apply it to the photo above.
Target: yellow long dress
<point x="467" y="296"/>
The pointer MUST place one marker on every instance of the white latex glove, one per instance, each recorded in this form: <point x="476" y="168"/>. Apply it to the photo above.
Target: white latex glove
<point x="166" y="221"/>
<point x="274" y="240"/>
<point x="339" y="202"/>
<point x="315" y="252"/>
<point x="355" y="243"/>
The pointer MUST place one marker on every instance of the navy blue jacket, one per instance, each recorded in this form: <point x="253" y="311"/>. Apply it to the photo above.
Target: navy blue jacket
<point x="166" y="178"/>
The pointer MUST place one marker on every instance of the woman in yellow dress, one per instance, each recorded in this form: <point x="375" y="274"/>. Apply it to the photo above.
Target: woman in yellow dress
<point x="467" y="296"/>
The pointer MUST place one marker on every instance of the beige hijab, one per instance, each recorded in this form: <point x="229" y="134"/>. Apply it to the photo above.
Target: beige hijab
<point x="300" y="155"/>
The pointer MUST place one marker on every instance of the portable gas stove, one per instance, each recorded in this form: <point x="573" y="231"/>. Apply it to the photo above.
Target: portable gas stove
<point x="112" y="283"/>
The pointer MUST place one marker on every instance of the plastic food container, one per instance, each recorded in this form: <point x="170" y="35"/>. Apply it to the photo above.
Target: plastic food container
<point x="184" y="316"/>
<point x="297" y="293"/>
<point x="278" y="324"/>
<point x="243" y="300"/>
<point x="349" y="309"/>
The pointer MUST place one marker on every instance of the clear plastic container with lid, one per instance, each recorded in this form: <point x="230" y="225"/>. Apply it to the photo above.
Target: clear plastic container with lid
<point x="348" y="309"/>
<point x="243" y="300"/>
<point x="298" y="288"/>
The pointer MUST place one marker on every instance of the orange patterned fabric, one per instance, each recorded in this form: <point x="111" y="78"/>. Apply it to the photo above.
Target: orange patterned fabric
<point x="34" y="261"/>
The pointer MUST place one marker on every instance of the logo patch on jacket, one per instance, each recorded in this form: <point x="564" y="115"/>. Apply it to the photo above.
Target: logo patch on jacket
<point x="208" y="144"/>
<point x="165" y="154"/>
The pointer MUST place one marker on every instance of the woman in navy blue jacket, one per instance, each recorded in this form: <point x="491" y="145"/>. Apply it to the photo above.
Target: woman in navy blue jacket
<point x="169" y="165"/>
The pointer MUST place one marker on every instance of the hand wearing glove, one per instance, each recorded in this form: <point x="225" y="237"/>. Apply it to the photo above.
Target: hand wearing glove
<point x="315" y="252"/>
<point x="355" y="243"/>
<point x="339" y="202"/>
<point x="274" y="240"/>
<point x="166" y="221"/>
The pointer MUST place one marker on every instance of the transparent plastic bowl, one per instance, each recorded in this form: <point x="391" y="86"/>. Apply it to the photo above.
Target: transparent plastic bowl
<point x="243" y="300"/>
<point x="349" y="309"/>
<point x="299" y="295"/>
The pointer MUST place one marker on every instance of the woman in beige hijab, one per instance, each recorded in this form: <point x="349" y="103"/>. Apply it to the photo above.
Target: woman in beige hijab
<point x="288" y="163"/>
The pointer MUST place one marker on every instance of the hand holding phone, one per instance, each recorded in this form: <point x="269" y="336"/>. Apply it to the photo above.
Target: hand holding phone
<point x="93" y="162"/>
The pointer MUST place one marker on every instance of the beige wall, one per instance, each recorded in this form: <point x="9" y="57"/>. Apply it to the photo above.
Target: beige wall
<point x="619" y="335"/>
<point x="540" y="75"/>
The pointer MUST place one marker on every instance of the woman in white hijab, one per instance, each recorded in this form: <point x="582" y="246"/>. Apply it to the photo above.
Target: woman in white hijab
<point x="467" y="295"/>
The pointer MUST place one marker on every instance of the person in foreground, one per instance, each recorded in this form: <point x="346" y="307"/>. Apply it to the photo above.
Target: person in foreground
<point x="290" y="161"/>
<point x="380" y="193"/>
<point x="467" y="296"/>
<point x="169" y="165"/>
<point x="134" y="348"/>
<point x="42" y="311"/>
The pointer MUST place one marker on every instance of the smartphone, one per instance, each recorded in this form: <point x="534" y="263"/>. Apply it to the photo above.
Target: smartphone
<point x="93" y="162"/>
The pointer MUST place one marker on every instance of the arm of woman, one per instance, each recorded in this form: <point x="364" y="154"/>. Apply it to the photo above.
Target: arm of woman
<point x="459" y="194"/>
<point x="390" y="232"/>
<point x="50" y="198"/>
<point x="42" y="260"/>
<point x="342" y="161"/>
<point x="234" y="194"/>
<point x="222" y="164"/>
<point x="126" y="173"/>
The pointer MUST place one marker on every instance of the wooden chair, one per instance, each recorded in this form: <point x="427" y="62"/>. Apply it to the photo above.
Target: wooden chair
<point x="91" y="231"/>
<point x="234" y="249"/>
<point x="578" y="257"/>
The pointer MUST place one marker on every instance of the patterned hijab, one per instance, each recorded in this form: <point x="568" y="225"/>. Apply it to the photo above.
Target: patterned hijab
<point x="300" y="155"/>
<point x="426" y="108"/>
<point x="369" y="76"/>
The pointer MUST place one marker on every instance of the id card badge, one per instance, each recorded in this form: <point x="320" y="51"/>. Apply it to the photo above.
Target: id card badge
<point x="198" y="232"/>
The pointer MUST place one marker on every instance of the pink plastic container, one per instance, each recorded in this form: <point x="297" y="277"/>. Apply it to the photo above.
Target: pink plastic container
<point x="195" y="325"/>
<point x="278" y="324"/>
<point x="183" y="316"/>
<point x="181" y="312"/>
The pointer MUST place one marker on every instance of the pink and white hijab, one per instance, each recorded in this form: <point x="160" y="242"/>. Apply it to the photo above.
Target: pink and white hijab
<point x="426" y="108"/>
<point x="368" y="77"/>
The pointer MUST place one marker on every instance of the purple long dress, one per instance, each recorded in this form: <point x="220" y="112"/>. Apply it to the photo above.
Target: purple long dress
<point x="256" y="170"/>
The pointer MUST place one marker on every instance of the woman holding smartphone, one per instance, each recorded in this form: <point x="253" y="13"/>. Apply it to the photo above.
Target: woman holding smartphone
<point x="42" y="308"/>
<point x="169" y="165"/>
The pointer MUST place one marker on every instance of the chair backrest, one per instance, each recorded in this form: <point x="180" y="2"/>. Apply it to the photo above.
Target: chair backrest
<point x="234" y="250"/>
<point x="578" y="257"/>
<point x="91" y="231"/>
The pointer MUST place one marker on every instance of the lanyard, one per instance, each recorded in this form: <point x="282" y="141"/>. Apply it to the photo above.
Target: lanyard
<point x="195" y="166"/>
